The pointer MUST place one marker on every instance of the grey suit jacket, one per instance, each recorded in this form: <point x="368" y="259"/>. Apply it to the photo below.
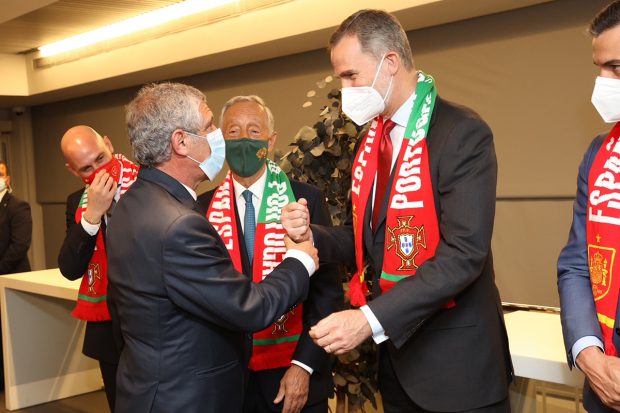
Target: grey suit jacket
<point x="180" y="305"/>
<point x="445" y="359"/>
<point x="578" y="312"/>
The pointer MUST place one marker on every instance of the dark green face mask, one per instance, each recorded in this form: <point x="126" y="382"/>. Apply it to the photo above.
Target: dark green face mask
<point x="245" y="156"/>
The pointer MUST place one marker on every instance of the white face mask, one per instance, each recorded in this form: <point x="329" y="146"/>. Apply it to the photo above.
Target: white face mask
<point x="606" y="98"/>
<point x="213" y="164"/>
<point x="363" y="103"/>
<point x="2" y="184"/>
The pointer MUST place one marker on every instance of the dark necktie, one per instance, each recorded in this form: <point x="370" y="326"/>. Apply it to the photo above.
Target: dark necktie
<point x="384" y="166"/>
<point x="249" y="224"/>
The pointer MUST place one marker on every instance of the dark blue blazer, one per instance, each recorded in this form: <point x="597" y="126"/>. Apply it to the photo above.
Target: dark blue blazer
<point x="15" y="234"/>
<point x="180" y="305"/>
<point x="578" y="311"/>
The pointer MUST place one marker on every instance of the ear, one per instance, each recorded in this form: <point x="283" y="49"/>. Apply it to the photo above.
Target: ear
<point x="73" y="171"/>
<point x="179" y="142"/>
<point x="272" y="142"/>
<point x="392" y="59"/>
<point x="108" y="144"/>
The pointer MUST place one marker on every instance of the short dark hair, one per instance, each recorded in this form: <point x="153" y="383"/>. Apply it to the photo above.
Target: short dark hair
<point x="378" y="32"/>
<point x="606" y="19"/>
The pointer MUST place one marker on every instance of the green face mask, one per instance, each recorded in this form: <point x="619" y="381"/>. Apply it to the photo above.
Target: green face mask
<point x="245" y="156"/>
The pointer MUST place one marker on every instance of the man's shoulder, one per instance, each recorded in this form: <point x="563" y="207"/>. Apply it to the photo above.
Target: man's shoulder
<point x="305" y="190"/>
<point x="206" y="197"/>
<point x="448" y="109"/>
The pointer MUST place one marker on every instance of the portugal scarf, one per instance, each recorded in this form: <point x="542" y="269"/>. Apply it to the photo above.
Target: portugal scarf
<point x="274" y="346"/>
<point x="92" y="297"/>
<point x="412" y="231"/>
<point x="603" y="236"/>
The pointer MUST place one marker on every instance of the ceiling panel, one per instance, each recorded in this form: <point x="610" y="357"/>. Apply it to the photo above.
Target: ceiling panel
<point x="66" y="18"/>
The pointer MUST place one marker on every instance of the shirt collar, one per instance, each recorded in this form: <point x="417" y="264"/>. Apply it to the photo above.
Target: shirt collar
<point x="257" y="188"/>
<point x="401" y="116"/>
<point x="190" y="190"/>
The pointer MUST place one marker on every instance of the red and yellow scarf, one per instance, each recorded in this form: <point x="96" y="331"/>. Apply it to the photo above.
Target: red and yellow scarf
<point x="412" y="230"/>
<point x="603" y="233"/>
<point x="274" y="346"/>
<point x="92" y="297"/>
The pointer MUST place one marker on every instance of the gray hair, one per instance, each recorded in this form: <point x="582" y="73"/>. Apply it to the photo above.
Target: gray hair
<point x="250" y="98"/>
<point x="378" y="33"/>
<point x="158" y="110"/>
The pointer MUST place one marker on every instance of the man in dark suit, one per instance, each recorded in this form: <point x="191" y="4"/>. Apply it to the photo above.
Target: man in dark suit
<point x="423" y="202"/>
<point x="181" y="306"/>
<point x="587" y="266"/>
<point x="107" y="176"/>
<point x="292" y="367"/>
<point x="15" y="228"/>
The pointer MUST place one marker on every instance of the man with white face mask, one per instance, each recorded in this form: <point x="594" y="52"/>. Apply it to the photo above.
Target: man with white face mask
<point x="589" y="294"/>
<point x="181" y="307"/>
<point x="422" y="209"/>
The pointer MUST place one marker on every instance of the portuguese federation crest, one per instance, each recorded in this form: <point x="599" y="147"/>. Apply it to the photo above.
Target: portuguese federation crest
<point x="407" y="241"/>
<point x="93" y="276"/>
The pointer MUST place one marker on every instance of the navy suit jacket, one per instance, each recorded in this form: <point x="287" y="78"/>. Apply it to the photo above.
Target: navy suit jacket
<point x="180" y="305"/>
<point x="324" y="297"/>
<point x="75" y="254"/>
<point x="15" y="234"/>
<point x="578" y="311"/>
<point x="445" y="359"/>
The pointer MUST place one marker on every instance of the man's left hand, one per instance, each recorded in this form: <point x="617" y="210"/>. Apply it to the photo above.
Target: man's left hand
<point x="341" y="332"/>
<point x="294" y="388"/>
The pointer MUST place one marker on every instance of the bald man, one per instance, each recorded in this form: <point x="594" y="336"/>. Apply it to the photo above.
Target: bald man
<point x="106" y="176"/>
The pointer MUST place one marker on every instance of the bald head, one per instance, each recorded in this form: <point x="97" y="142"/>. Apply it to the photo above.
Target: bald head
<point x="85" y="150"/>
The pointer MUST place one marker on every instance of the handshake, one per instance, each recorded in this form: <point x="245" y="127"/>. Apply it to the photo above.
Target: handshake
<point x="296" y="222"/>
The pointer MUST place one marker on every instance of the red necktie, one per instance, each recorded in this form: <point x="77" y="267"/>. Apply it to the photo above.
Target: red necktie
<point x="384" y="166"/>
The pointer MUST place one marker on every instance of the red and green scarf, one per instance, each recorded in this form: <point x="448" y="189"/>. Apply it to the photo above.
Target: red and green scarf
<point x="603" y="234"/>
<point x="274" y="346"/>
<point x="412" y="230"/>
<point x="92" y="297"/>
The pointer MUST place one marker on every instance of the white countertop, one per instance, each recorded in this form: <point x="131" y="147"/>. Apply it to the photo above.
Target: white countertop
<point x="537" y="347"/>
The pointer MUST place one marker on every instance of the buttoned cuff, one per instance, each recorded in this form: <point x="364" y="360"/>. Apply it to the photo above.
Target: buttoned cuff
<point x="378" y="333"/>
<point x="304" y="258"/>
<point x="303" y="366"/>
<point x="583" y="343"/>
<point x="90" y="228"/>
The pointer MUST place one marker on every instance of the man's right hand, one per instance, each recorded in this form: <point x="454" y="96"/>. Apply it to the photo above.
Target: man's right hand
<point x="603" y="373"/>
<point x="305" y="246"/>
<point x="100" y="195"/>
<point x="296" y="220"/>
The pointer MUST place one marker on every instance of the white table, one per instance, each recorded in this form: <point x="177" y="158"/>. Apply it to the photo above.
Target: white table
<point x="42" y="343"/>
<point x="537" y="350"/>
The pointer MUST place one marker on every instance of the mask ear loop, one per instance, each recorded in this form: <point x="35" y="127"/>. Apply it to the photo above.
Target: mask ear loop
<point x="377" y="75"/>
<point x="378" y="69"/>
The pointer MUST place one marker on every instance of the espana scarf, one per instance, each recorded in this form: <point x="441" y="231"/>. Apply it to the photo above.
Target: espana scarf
<point x="412" y="230"/>
<point x="602" y="233"/>
<point x="274" y="346"/>
<point x="92" y="297"/>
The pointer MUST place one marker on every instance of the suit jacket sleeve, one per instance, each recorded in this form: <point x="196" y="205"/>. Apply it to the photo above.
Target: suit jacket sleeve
<point x="78" y="246"/>
<point x="325" y="295"/>
<point x="465" y="199"/>
<point x="578" y="311"/>
<point x="20" y="222"/>
<point x="200" y="278"/>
